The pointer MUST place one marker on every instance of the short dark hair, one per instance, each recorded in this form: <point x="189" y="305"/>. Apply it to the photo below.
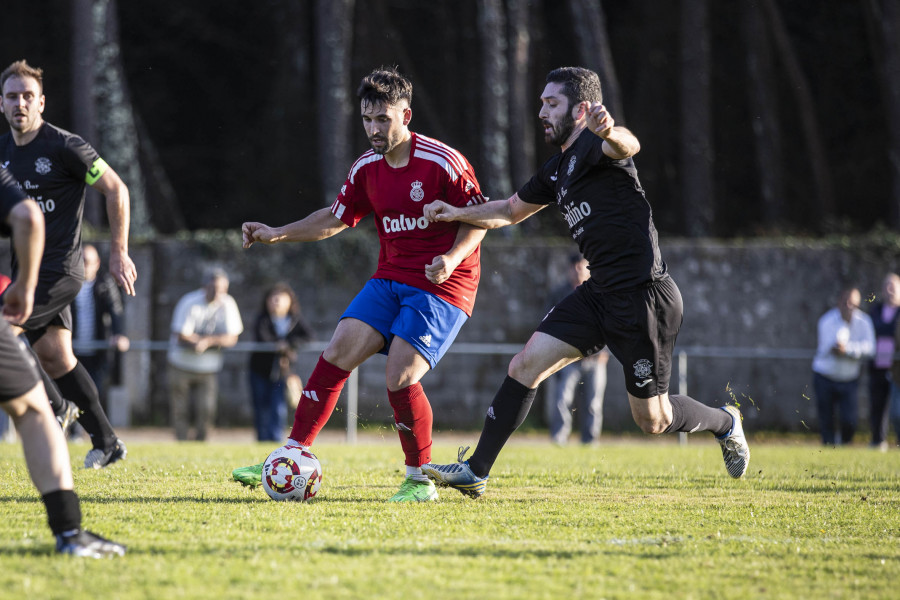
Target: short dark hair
<point x="20" y="68"/>
<point x="578" y="84"/>
<point x="385" y="85"/>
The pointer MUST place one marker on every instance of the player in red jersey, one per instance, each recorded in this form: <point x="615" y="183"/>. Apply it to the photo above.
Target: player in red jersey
<point x="423" y="289"/>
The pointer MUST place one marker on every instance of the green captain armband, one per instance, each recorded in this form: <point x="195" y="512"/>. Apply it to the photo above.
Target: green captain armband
<point x="96" y="171"/>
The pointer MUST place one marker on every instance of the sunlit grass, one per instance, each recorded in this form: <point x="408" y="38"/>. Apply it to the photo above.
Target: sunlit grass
<point x="633" y="519"/>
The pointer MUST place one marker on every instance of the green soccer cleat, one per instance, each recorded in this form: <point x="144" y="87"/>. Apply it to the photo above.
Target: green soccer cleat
<point x="249" y="476"/>
<point x="413" y="490"/>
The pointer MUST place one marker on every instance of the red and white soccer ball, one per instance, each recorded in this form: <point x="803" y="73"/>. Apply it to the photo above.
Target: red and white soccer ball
<point x="292" y="473"/>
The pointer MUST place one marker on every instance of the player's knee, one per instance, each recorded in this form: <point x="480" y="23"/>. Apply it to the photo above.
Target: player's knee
<point x="653" y="424"/>
<point x="521" y="370"/>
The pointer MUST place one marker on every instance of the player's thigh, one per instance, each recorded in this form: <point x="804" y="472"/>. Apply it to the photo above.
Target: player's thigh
<point x="542" y="356"/>
<point x="353" y="342"/>
<point x="52" y="305"/>
<point x="405" y="365"/>
<point x="54" y="349"/>
<point x="34" y="399"/>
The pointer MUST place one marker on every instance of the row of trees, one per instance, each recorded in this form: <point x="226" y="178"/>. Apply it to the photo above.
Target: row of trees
<point x="757" y="116"/>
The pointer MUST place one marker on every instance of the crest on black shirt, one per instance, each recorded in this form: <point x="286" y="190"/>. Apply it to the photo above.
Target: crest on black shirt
<point x="571" y="165"/>
<point x="42" y="165"/>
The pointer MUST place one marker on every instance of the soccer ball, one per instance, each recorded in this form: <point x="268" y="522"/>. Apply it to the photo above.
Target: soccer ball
<point x="291" y="473"/>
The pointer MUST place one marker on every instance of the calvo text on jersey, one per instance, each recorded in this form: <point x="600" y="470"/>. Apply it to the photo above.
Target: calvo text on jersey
<point x="403" y="223"/>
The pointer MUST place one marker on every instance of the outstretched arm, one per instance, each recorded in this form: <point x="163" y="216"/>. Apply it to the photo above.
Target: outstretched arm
<point x="618" y="142"/>
<point x="490" y="215"/>
<point x="317" y="226"/>
<point x="27" y="223"/>
<point x="118" y="210"/>
<point x="467" y="239"/>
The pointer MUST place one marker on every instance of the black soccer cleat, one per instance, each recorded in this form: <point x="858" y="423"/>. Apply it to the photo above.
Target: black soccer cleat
<point x="86" y="544"/>
<point x="97" y="458"/>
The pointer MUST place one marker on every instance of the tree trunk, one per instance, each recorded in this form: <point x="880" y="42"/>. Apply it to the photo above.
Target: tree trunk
<point x="696" y="133"/>
<point x="495" y="95"/>
<point x="522" y="117"/>
<point x="815" y="145"/>
<point x="99" y="87"/>
<point x="334" y="36"/>
<point x="118" y="131"/>
<point x="594" y="52"/>
<point x="890" y="28"/>
<point x="84" y="49"/>
<point x="766" y="132"/>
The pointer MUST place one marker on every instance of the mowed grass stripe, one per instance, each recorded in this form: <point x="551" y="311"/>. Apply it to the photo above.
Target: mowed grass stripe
<point x="623" y="520"/>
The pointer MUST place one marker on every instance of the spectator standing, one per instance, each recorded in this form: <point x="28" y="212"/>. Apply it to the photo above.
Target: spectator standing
<point x="884" y="316"/>
<point x="98" y="316"/>
<point x="204" y="322"/>
<point x="585" y="379"/>
<point x="846" y="338"/>
<point x="894" y="403"/>
<point x="279" y="322"/>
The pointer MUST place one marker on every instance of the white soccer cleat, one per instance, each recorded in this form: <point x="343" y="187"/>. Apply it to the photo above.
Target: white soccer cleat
<point x="735" y="450"/>
<point x="457" y="475"/>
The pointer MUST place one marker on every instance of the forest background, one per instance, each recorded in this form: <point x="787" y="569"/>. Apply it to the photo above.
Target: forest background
<point x="770" y="135"/>
<point x="757" y="117"/>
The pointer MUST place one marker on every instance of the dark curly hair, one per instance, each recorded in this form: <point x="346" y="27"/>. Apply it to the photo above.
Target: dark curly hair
<point x="385" y="85"/>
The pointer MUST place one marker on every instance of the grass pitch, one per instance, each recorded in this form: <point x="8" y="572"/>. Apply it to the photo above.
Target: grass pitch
<point x="625" y="520"/>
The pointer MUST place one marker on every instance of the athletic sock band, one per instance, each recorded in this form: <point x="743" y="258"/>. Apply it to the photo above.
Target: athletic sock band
<point x="77" y="386"/>
<point x="63" y="510"/>
<point x="413" y="417"/>
<point x="691" y="416"/>
<point x="506" y="413"/>
<point x="320" y="395"/>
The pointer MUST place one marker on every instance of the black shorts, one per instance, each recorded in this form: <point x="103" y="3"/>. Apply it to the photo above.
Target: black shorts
<point x="18" y="371"/>
<point x="52" y="306"/>
<point x="639" y="326"/>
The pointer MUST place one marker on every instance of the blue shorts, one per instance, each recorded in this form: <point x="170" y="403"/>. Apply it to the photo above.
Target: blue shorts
<point x="427" y="322"/>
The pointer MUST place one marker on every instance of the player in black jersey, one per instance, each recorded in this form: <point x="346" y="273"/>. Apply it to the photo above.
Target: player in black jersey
<point x="630" y="304"/>
<point x="21" y="394"/>
<point x="53" y="166"/>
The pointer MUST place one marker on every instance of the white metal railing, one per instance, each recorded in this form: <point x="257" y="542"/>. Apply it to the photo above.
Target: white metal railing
<point x="682" y="354"/>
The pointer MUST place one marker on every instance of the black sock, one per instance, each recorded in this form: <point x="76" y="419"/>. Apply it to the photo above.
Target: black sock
<point x="63" y="511"/>
<point x="77" y="386"/>
<point x="691" y="416"/>
<point x="507" y="412"/>
<point x="56" y="400"/>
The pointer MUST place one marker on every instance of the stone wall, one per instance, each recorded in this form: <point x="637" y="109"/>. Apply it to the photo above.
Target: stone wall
<point x="761" y="296"/>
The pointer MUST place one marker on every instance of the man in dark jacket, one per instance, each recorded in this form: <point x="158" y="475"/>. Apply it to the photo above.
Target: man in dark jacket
<point x="98" y="323"/>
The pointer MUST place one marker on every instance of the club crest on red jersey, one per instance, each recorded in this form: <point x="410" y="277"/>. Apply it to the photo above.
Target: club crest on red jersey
<point x="416" y="193"/>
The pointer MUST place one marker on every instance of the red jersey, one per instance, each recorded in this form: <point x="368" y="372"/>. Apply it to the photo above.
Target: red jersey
<point x="409" y="241"/>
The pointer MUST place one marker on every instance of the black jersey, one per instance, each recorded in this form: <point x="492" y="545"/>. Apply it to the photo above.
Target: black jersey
<point x="10" y="195"/>
<point x="54" y="168"/>
<point x="608" y="215"/>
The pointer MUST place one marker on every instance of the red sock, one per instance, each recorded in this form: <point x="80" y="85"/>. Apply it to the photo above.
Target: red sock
<point x="412" y="413"/>
<point x="317" y="402"/>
